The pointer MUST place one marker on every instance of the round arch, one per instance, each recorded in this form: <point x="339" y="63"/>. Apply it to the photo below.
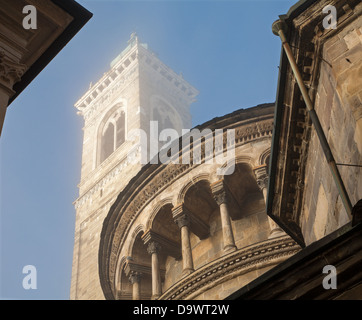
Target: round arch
<point x="168" y="111"/>
<point x="202" y="176"/>
<point x="228" y="168"/>
<point x="264" y="157"/>
<point x="119" y="105"/>
<point x="160" y="204"/>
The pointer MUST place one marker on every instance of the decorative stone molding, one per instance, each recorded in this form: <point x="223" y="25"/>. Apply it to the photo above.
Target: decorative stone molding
<point x="93" y="96"/>
<point x="133" y="267"/>
<point x="10" y="71"/>
<point x="235" y="264"/>
<point x="179" y="85"/>
<point x="124" y="71"/>
<point x="113" y="91"/>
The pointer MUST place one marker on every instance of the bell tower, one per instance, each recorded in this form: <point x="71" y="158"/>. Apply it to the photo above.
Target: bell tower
<point x="137" y="90"/>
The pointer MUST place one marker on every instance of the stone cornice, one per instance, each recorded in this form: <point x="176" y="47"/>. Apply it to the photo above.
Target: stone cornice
<point x="239" y="262"/>
<point x="119" y="74"/>
<point x="182" y="87"/>
<point x="108" y="78"/>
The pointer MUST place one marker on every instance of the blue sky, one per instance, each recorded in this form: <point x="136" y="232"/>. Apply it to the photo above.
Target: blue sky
<point x="223" y="48"/>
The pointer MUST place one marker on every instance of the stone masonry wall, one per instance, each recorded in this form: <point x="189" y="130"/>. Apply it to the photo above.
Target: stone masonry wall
<point x="339" y="108"/>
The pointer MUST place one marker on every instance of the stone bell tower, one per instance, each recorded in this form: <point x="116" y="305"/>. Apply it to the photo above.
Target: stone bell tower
<point x="137" y="89"/>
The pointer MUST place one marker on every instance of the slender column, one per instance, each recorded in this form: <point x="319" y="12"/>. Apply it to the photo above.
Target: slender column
<point x="220" y="197"/>
<point x="153" y="249"/>
<point x="262" y="179"/>
<point x="184" y="223"/>
<point x="135" y="279"/>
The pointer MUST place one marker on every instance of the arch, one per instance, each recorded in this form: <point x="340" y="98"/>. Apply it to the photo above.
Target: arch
<point x="111" y="132"/>
<point x="264" y="157"/>
<point x="139" y="229"/>
<point x="245" y="195"/>
<point x="135" y="259"/>
<point x="171" y="118"/>
<point x="199" y="201"/>
<point x="187" y="186"/>
<point x="120" y="266"/>
<point x="156" y="209"/>
<point x="228" y="168"/>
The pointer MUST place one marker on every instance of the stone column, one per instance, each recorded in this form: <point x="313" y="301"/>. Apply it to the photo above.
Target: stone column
<point x="135" y="279"/>
<point x="183" y="223"/>
<point x="262" y="179"/>
<point x="220" y="196"/>
<point x="154" y="249"/>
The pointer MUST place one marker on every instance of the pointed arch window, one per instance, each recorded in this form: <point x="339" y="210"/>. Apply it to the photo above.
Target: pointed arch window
<point x="112" y="133"/>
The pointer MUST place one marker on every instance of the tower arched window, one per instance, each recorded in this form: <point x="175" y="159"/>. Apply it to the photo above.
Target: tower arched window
<point x="166" y="116"/>
<point x="112" y="133"/>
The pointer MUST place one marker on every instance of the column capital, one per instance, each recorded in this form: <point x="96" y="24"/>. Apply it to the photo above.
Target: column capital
<point x="168" y="246"/>
<point x="183" y="220"/>
<point x="219" y="193"/>
<point x="220" y="198"/>
<point x="183" y="216"/>
<point x="135" y="277"/>
<point x="261" y="176"/>
<point x="153" y="247"/>
<point x="10" y="71"/>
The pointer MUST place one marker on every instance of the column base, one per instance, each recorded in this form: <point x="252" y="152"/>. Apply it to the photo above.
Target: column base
<point x="186" y="272"/>
<point x="230" y="248"/>
<point x="277" y="232"/>
<point x="155" y="296"/>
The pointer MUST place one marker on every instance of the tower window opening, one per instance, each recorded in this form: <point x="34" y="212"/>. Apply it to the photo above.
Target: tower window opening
<point x="113" y="134"/>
